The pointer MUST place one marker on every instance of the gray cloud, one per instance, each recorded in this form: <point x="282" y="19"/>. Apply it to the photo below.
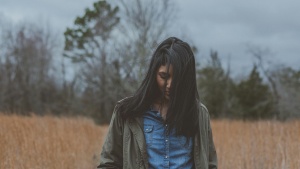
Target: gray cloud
<point x="226" y="26"/>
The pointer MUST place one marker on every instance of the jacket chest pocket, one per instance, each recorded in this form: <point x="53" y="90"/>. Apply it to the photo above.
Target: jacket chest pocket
<point x="148" y="132"/>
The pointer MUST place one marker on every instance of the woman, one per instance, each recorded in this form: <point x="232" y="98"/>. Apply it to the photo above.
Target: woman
<point x="163" y="125"/>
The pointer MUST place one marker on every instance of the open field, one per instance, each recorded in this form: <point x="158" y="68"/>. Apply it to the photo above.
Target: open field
<point x="49" y="143"/>
<point x="71" y="143"/>
<point x="257" y="145"/>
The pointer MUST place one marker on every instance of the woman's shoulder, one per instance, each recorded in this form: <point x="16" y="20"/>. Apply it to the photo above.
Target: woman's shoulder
<point x="117" y="115"/>
<point x="120" y="105"/>
<point x="203" y="111"/>
<point x="203" y="107"/>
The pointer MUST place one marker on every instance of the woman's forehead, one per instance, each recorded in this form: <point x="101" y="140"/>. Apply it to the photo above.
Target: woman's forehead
<point x="164" y="68"/>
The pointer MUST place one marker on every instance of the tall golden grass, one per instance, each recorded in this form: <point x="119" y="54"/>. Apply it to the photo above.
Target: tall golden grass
<point x="49" y="143"/>
<point x="257" y="145"/>
<point x="63" y="143"/>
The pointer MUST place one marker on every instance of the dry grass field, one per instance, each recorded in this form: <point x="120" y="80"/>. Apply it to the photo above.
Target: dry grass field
<point x="75" y="143"/>
<point x="257" y="145"/>
<point x="49" y="143"/>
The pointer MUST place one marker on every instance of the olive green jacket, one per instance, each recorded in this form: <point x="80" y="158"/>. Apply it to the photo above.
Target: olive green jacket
<point x="125" y="145"/>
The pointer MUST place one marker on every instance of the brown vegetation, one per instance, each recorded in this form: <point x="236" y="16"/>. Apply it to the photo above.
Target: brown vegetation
<point x="257" y="145"/>
<point x="51" y="142"/>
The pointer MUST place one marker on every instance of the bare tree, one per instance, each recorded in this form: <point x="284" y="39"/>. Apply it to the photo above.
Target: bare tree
<point x="259" y="54"/>
<point x="26" y="65"/>
<point x="88" y="43"/>
<point x="111" y="44"/>
<point x="143" y="25"/>
<point x="215" y="87"/>
<point x="288" y="87"/>
<point x="283" y="81"/>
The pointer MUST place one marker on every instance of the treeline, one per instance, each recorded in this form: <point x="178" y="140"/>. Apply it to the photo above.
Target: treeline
<point x="271" y="93"/>
<point x="104" y="59"/>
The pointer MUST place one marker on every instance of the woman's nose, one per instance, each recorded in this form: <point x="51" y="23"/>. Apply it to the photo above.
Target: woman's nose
<point x="169" y="82"/>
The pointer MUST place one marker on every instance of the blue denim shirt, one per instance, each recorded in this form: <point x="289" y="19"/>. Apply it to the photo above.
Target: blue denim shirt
<point x="165" y="149"/>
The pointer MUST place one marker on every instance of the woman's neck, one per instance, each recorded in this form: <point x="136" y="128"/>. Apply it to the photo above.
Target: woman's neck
<point x="162" y="106"/>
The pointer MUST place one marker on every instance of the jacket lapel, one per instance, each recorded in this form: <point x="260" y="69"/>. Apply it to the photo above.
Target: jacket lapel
<point x="136" y="126"/>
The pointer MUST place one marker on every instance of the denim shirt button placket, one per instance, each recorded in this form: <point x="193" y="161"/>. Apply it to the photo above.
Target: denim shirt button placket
<point x="167" y="143"/>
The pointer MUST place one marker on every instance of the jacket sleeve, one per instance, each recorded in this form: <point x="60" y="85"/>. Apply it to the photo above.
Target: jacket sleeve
<point x="212" y="154"/>
<point x="112" y="150"/>
<point x="213" y="160"/>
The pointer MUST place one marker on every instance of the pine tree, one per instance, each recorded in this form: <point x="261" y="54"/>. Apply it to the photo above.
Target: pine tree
<point x="88" y="44"/>
<point x="91" y="32"/>
<point x="254" y="97"/>
<point x="215" y="86"/>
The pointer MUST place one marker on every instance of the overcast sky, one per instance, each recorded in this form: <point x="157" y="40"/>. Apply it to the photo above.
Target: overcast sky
<point x="223" y="25"/>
